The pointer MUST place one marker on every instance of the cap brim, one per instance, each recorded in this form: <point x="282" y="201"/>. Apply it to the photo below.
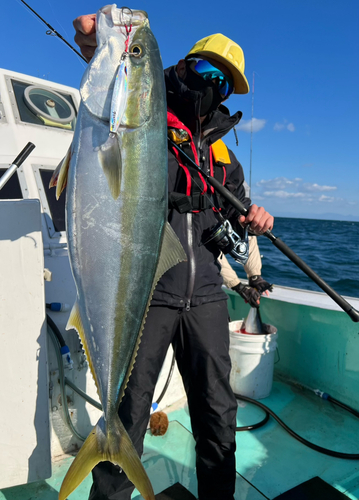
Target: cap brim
<point x="239" y="80"/>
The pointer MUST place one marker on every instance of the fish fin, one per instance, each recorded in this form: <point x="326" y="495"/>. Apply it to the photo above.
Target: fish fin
<point x="111" y="163"/>
<point x="81" y="467"/>
<point x="112" y="445"/>
<point x="171" y="253"/>
<point x="75" y="322"/>
<point x="59" y="177"/>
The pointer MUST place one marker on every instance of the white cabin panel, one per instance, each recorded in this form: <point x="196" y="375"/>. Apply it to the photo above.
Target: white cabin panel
<point x="24" y="417"/>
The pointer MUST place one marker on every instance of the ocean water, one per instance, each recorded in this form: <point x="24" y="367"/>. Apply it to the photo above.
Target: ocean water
<point x="330" y="248"/>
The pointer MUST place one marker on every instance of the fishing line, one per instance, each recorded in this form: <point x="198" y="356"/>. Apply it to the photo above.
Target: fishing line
<point x="53" y="32"/>
<point x="31" y="13"/>
<point x="57" y="20"/>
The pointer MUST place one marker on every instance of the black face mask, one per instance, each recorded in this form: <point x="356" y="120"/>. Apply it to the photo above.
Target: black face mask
<point x="210" y="96"/>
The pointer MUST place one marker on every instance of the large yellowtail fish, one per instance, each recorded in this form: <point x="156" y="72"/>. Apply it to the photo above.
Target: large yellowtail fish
<point x="119" y="241"/>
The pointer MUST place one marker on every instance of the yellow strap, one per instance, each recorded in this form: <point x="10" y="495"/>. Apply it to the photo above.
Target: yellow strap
<point x="50" y="123"/>
<point x="220" y="153"/>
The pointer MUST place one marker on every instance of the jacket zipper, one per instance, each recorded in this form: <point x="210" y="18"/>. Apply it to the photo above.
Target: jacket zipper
<point x="191" y="262"/>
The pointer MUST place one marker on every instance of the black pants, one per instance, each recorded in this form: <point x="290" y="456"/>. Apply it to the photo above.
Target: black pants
<point x="200" y="339"/>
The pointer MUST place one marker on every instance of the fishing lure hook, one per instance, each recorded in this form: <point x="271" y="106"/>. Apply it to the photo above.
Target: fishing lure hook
<point x="123" y="17"/>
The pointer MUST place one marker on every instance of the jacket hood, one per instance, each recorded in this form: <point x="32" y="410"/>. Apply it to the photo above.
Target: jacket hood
<point x="186" y="105"/>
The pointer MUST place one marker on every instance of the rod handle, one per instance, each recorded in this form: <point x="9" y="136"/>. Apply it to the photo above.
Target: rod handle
<point x="16" y="163"/>
<point x="21" y="157"/>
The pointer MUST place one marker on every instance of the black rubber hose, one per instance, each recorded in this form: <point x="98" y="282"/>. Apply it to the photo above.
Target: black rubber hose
<point x="56" y="331"/>
<point x="253" y="426"/>
<point x="344" y="406"/>
<point x="320" y="449"/>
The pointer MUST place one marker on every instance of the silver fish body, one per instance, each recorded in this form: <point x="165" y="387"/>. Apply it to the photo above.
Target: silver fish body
<point x="119" y="241"/>
<point x="253" y="322"/>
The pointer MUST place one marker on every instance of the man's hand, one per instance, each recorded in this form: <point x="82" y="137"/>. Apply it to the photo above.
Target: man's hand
<point x="260" y="284"/>
<point x="85" y="37"/>
<point x="249" y="294"/>
<point x="258" y="220"/>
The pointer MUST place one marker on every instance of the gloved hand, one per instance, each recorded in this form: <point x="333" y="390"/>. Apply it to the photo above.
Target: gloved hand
<point x="249" y="294"/>
<point x="260" y="284"/>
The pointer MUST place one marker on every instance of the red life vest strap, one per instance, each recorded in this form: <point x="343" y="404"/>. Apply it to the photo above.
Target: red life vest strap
<point x="218" y="154"/>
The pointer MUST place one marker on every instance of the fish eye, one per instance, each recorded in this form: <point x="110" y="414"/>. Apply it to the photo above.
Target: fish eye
<point x="136" y="50"/>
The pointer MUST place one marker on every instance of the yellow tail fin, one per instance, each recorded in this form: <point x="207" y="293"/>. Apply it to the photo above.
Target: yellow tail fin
<point x="107" y="443"/>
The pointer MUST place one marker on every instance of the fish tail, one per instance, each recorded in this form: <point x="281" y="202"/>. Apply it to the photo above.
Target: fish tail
<point x="114" y="446"/>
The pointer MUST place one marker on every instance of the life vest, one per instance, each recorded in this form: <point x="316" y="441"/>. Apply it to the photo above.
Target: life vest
<point x="192" y="193"/>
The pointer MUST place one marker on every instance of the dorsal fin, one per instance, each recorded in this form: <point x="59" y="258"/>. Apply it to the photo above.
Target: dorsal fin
<point x="171" y="253"/>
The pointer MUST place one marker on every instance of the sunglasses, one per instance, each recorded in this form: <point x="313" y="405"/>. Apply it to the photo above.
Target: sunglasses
<point x="207" y="71"/>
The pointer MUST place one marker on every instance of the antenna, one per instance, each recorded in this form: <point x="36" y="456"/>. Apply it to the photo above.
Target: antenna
<point x="250" y="158"/>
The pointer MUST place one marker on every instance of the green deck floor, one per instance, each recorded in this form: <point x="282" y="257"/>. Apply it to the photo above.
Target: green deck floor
<point x="269" y="461"/>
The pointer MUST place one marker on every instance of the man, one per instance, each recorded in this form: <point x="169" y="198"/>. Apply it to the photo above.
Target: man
<point x="189" y="307"/>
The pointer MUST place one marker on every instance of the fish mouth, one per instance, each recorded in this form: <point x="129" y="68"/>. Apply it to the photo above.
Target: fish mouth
<point x="124" y="16"/>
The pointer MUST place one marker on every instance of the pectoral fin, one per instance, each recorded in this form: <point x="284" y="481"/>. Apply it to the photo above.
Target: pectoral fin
<point x="59" y="177"/>
<point x="111" y="163"/>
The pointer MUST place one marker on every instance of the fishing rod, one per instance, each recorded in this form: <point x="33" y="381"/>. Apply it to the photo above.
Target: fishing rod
<point x="52" y="31"/>
<point x="277" y="242"/>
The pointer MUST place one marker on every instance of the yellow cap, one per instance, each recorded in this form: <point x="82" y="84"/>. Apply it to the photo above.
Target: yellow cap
<point x="220" y="48"/>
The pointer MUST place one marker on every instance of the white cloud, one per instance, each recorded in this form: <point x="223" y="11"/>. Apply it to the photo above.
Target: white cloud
<point x="316" y="187"/>
<point x="295" y="189"/>
<point x="278" y="183"/>
<point x="290" y="127"/>
<point x="285" y="125"/>
<point x="328" y="199"/>
<point x="284" y="194"/>
<point x="278" y="126"/>
<point x="246" y="125"/>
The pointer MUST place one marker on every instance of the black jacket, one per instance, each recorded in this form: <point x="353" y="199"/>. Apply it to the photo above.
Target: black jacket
<point x="198" y="280"/>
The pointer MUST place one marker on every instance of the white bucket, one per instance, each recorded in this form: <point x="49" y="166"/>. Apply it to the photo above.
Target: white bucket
<point x="252" y="359"/>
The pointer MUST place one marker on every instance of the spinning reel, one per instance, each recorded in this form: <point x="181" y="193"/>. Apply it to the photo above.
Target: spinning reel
<point x="228" y="241"/>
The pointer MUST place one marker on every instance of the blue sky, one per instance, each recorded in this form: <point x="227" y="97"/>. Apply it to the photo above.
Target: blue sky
<point x="304" y="55"/>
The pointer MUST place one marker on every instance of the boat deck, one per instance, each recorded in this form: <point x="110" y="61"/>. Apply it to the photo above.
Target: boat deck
<point x="269" y="461"/>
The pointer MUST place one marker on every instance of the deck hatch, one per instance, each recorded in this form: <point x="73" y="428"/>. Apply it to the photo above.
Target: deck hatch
<point x="314" y="489"/>
<point x="175" y="492"/>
